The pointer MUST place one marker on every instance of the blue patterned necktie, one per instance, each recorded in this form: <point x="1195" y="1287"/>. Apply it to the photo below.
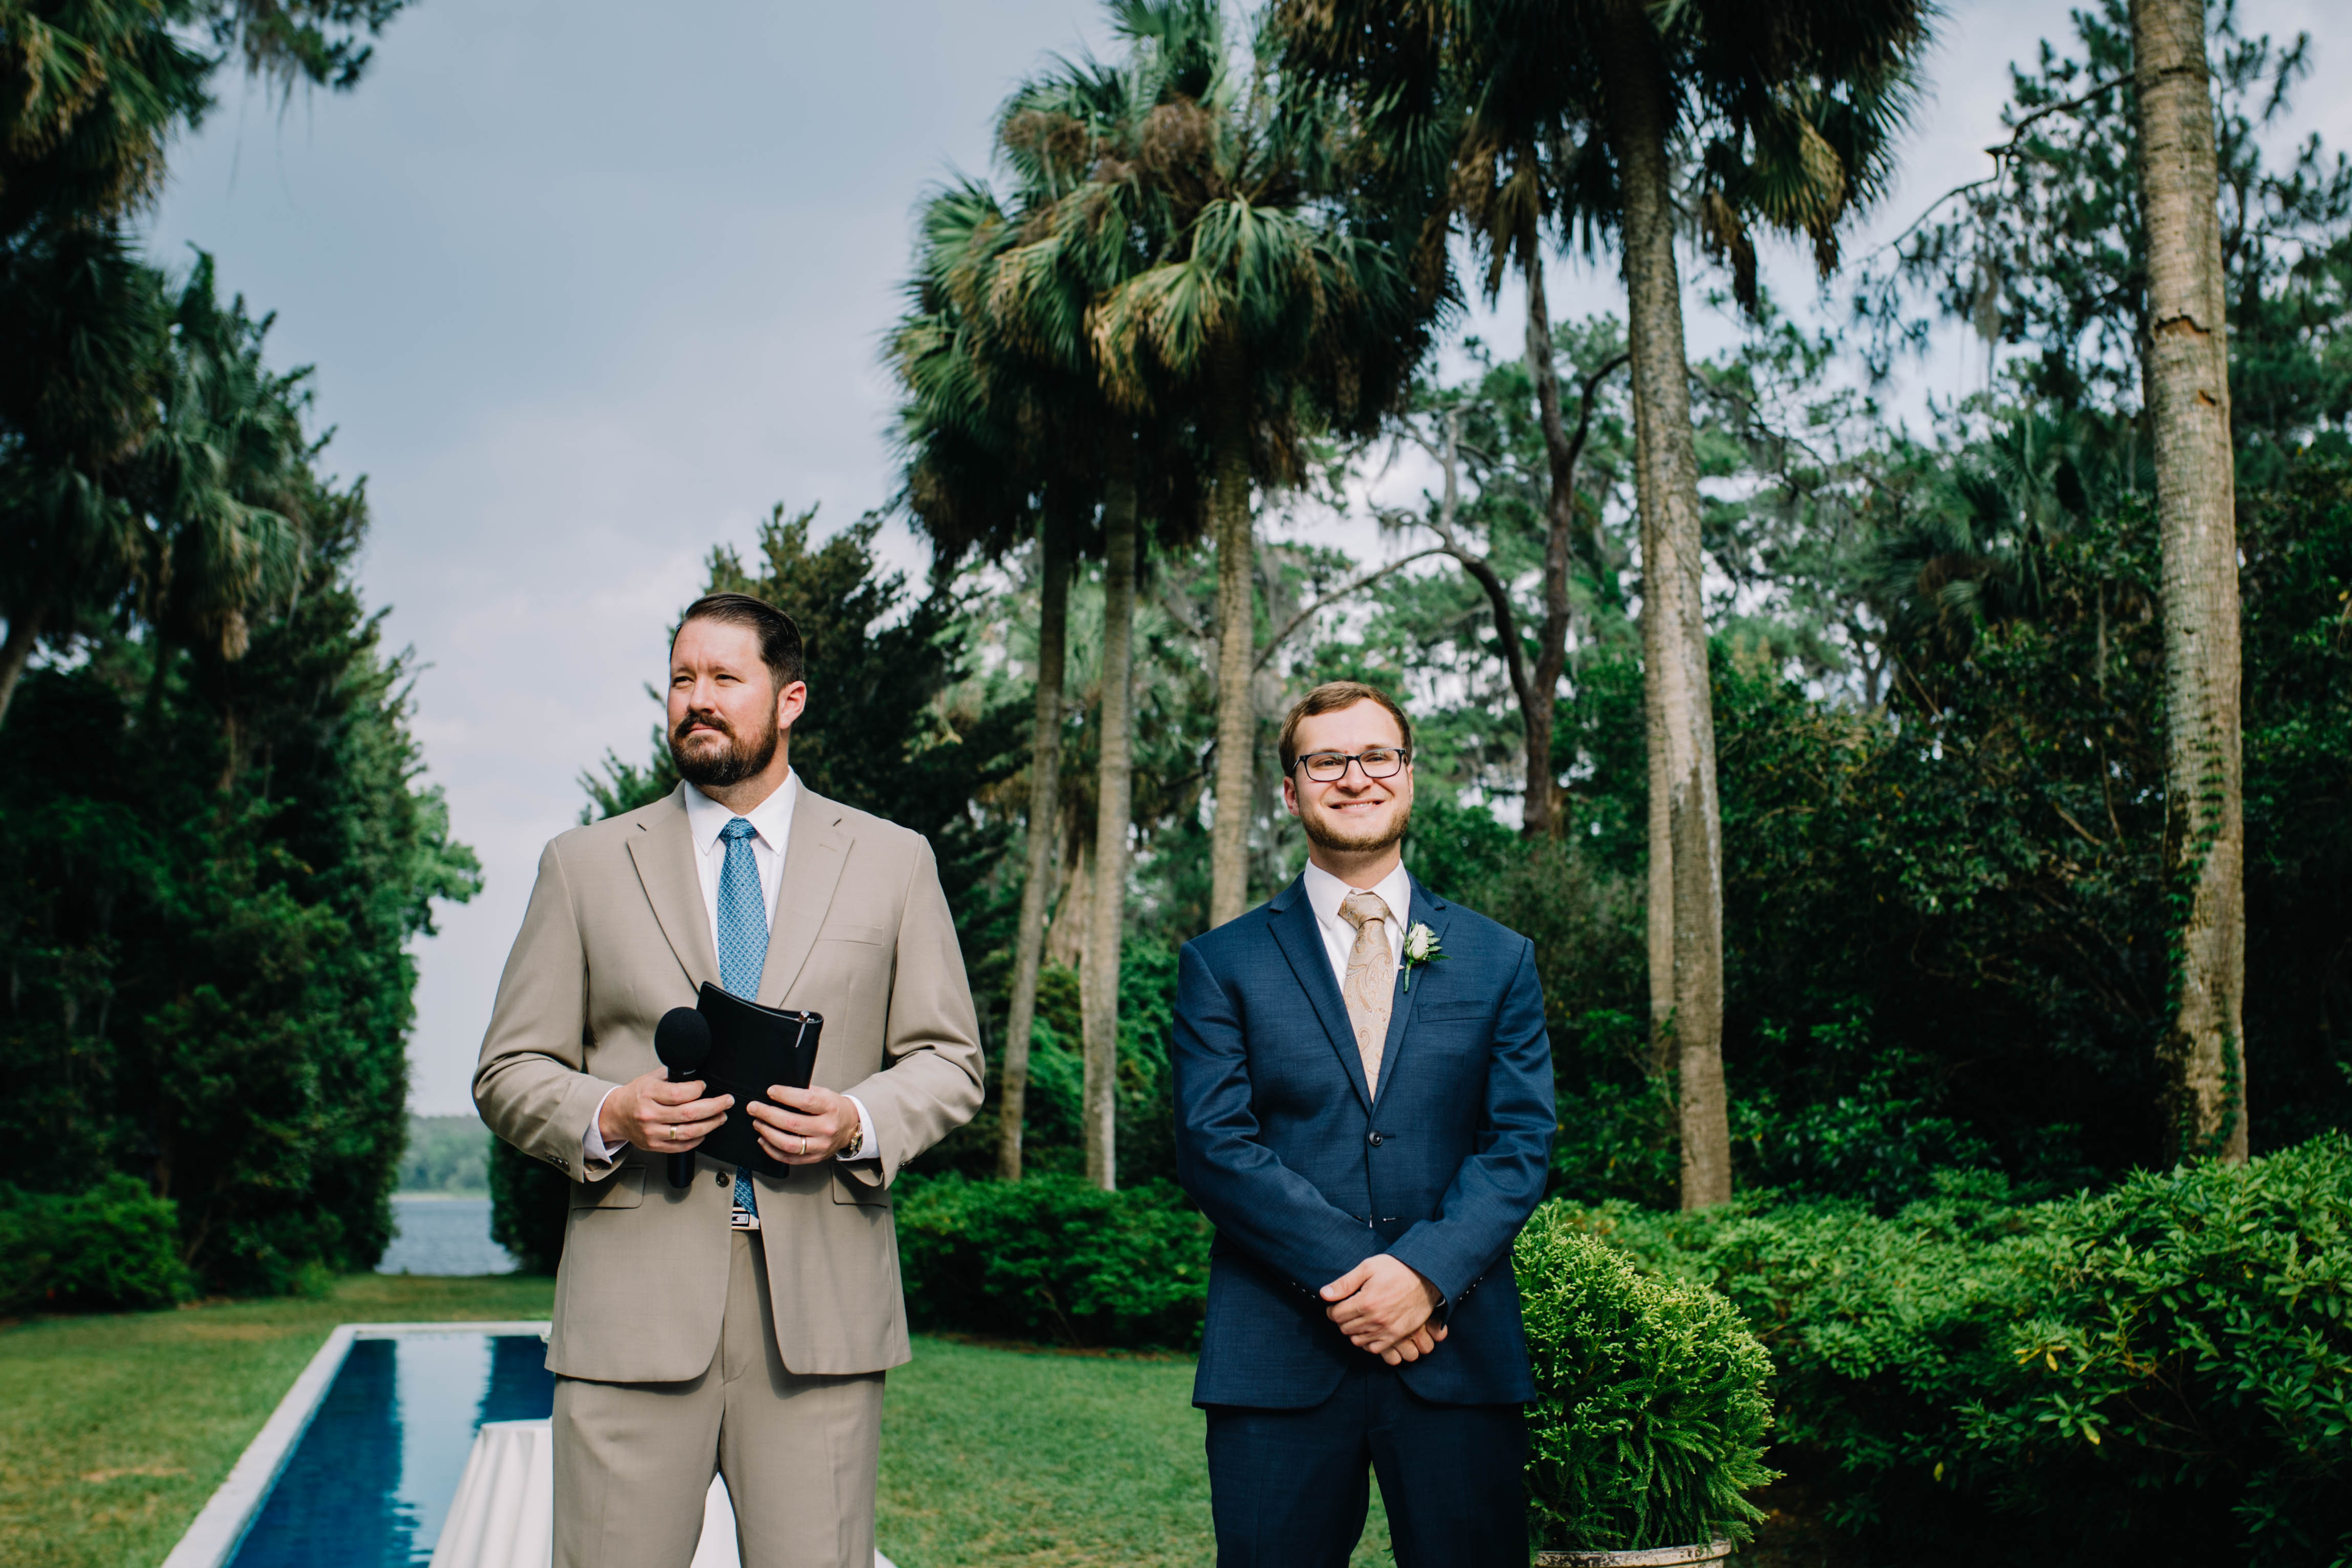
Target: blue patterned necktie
<point x="742" y="944"/>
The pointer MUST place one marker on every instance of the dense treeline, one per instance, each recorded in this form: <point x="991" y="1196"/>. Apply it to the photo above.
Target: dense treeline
<point x="213" y="852"/>
<point x="214" y="869"/>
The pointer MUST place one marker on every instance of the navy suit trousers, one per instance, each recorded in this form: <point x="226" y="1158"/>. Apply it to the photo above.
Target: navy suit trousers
<point x="1289" y="1488"/>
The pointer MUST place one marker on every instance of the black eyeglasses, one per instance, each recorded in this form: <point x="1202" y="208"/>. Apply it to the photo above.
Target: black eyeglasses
<point x="1379" y="762"/>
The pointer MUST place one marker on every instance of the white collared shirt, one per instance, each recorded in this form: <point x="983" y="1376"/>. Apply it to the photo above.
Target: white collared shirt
<point x="705" y="818"/>
<point x="1325" y="893"/>
<point x="772" y="818"/>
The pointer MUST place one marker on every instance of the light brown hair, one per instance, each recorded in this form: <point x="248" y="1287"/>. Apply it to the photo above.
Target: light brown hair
<point x="1331" y="697"/>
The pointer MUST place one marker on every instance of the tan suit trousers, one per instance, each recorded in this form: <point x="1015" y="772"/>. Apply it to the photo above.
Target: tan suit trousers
<point x="633" y="1459"/>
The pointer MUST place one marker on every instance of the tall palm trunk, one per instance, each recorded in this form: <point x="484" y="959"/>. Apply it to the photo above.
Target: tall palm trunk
<point x="24" y="631"/>
<point x="1045" y="812"/>
<point x="2188" y="384"/>
<point x="1685" y="913"/>
<point x="1099" y="987"/>
<point x="1236" y="637"/>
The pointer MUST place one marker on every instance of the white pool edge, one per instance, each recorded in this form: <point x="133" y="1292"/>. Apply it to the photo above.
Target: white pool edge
<point x="220" y="1526"/>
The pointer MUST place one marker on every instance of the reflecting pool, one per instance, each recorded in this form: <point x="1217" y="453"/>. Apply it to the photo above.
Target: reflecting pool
<point x="371" y="1480"/>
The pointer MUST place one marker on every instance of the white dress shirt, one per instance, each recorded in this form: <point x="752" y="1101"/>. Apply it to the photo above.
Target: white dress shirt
<point x="705" y="819"/>
<point x="1325" y="893"/>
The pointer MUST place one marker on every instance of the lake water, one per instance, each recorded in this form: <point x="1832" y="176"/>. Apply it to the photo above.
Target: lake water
<point x="370" y="1484"/>
<point x="443" y="1235"/>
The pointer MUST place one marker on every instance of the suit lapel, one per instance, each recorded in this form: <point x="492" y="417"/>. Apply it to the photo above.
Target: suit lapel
<point x="1292" y="915"/>
<point x="663" y="849"/>
<point x="812" y="863"/>
<point x="1432" y="913"/>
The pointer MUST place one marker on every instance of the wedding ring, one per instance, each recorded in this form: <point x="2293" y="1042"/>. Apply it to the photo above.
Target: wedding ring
<point x="804" y="1145"/>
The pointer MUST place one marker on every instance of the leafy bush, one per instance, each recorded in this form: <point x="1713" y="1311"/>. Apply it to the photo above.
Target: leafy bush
<point x="2162" y="1373"/>
<point x="530" y="1203"/>
<point x="1651" y="1419"/>
<point x="2183" y="1388"/>
<point x="1052" y="1258"/>
<point x="112" y="1248"/>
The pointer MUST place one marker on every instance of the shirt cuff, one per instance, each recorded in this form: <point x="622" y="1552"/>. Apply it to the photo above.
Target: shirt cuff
<point x="866" y="1149"/>
<point x="594" y="1149"/>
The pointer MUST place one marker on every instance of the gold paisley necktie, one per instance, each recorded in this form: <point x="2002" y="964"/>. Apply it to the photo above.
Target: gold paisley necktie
<point x="1372" y="979"/>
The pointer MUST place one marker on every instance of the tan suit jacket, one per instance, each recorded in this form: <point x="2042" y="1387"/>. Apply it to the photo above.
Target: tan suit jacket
<point x="616" y="934"/>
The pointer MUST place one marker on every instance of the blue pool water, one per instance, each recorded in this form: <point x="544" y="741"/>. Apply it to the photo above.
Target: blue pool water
<point x="371" y="1480"/>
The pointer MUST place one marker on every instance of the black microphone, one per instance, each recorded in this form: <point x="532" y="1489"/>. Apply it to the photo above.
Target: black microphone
<point x="682" y="1040"/>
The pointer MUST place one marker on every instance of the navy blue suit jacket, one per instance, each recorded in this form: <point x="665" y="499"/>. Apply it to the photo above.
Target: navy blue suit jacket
<point x="1305" y="1174"/>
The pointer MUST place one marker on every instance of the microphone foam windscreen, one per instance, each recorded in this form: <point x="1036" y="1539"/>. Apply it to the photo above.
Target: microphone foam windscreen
<point x="682" y="1039"/>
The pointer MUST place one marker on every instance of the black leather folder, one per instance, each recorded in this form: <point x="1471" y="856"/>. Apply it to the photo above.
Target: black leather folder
<point x="752" y="1046"/>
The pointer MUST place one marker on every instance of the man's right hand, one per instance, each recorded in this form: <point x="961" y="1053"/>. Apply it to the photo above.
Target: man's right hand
<point x="658" y="1116"/>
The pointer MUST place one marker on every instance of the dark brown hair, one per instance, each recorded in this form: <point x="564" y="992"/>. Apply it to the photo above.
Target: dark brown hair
<point x="1331" y="697"/>
<point x="779" y="636"/>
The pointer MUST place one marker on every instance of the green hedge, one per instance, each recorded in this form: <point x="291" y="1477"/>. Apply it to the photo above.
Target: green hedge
<point x="1651" y="1423"/>
<point x="1054" y="1258"/>
<point x="2162" y="1373"/>
<point x="111" y="1248"/>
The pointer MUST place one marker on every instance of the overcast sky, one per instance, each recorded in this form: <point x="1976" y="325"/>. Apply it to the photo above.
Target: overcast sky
<point x="589" y="288"/>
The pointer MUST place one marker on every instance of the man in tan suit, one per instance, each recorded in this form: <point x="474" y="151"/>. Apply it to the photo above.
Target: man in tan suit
<point x="743" y="1323"/>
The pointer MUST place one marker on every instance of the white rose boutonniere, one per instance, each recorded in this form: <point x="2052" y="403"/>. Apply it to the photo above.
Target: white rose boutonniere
<point x="1420" y="947"/>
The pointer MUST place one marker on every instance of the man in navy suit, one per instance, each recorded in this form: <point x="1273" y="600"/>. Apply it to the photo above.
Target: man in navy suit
<point x="1368" y="1129"/>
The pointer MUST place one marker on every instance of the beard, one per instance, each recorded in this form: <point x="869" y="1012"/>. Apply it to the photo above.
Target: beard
<point x="1328" y="834"/>
<point x="714" y="763"/>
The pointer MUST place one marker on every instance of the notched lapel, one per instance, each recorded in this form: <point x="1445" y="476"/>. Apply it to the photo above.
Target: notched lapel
<point x="663" y="850"/>
<point x="1426" y="911"/>
<point x="813" y="863"/>
<point x="1295" y="932"/>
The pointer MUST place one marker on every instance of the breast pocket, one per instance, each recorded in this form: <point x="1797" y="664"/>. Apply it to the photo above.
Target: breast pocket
<point x="1454" y="1011"/>
<point x="854" y="931"/>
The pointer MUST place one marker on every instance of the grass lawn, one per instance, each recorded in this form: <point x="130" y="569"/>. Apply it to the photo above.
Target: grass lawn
<point x="114" y="1430"/>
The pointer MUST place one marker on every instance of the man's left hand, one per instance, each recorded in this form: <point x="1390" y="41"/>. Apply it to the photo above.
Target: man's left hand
<point x="805" y="1127"/>
<point x="1380" y="1304"/>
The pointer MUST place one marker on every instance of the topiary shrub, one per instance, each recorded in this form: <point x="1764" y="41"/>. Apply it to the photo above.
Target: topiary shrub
<point x="112" y="1249"/>
<point x="1650" y="1422"/>
<point x="1054" y="1258"/>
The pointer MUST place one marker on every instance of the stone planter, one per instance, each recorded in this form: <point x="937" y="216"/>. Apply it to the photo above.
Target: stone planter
<point x="1650" y="1557"/>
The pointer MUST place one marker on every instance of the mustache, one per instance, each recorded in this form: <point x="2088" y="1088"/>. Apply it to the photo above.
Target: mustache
<point x="706" y="717"/>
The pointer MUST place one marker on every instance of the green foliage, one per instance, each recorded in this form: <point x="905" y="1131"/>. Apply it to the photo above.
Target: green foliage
<point x="1054" y="1258"/>
<point x="112" y="1249"/>
<point x="2162" y="1372"/>
<point x="214" y="869"/>
<point x="446" y="1154"/>
<point x="2183" y="1384"/>
<point x="530" y="1203"/>
<point x="1650" y="1421"/>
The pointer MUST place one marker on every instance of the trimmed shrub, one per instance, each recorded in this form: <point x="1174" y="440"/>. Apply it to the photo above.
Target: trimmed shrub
<point x="113" y="1247"/>
<point x="2160" y="1373"/>
<point x="1651" y="1421"/>
<point x="2183" y="1388"/>
<point x="1052" y="1258"/>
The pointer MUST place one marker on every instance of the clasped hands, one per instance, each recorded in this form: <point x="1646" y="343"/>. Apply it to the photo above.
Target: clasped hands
<point x="1382" y="1305"/>
<point x="804" y="1127"/>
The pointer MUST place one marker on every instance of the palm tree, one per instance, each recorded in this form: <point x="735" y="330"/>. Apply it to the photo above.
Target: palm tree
<point x="2187" y="381"/>
<point x="1802" y="101"/>
<point x="82" y="356"/>
<point x="1256" y="311"/>
<point x="1548" y="112"/>
<point x="984" y="435"/>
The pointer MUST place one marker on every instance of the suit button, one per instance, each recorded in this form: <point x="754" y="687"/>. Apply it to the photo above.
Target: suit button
<point x="1377" y="1139"/>
<point x="719" y="1179"/>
